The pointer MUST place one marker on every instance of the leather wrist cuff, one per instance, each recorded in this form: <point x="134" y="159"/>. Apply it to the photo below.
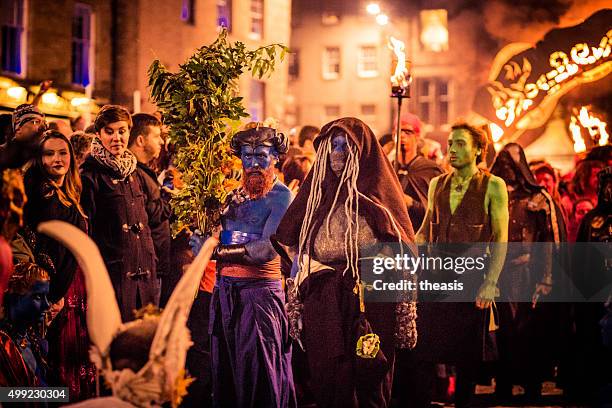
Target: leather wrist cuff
<point x="235" y="253"/>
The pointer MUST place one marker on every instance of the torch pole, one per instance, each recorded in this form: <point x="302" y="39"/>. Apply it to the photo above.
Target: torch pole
<point x="398" y="132"/>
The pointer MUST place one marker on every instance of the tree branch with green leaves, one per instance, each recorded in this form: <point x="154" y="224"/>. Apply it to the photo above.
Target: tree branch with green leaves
<point x="202" y="109"/>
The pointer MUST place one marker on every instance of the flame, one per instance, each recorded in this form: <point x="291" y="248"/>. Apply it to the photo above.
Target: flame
<point x="496" y="132"/>
<point x="399" y="76"/>
<point x="595" y="126"/>
<point x="579" y="145"/>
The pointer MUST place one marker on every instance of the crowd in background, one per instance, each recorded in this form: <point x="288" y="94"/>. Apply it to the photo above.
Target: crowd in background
<point x="117" y="172"/>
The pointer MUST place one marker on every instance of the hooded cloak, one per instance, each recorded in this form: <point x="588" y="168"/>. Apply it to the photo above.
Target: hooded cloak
<point x="376" y="180"/>
<point x="415" y="178"/>
<point x="513" y="153"/>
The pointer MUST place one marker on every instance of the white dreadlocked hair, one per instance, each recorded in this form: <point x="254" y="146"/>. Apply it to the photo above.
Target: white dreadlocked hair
<point x="348" y="177"/>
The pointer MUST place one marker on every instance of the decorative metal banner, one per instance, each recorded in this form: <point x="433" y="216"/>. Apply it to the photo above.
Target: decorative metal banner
<point x="525" y="84"/>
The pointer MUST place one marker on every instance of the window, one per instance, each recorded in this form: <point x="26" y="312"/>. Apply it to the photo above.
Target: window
<point x="433" y="101"/>
<point x="257" y="19"/>
<point x="331" y="63"/>
<point x="257" y="101"/>
<point x="294" y="65"/>
<point x="81" y="44"/>
<point x="331" y="11"/>
<point x="12" y="46"/>
<point x="434" y="30"/>
<point x="443" y="102"/>
<point x="224" y="14"/>
<point x="329" y="18"/>
<point x="332" y="111"/>
<point x="188" y="11"/>
<point x="367" y="62"/>
<point x="368" y="109"/>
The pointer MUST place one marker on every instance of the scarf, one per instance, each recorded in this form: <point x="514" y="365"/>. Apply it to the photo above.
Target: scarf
<point x="121" y="166"/>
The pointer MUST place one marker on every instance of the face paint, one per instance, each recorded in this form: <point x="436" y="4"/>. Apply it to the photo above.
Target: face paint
<point x="339" y="153"/>
<point x="31" y="307"/>
<point x="258" y="166"/>
<point x="461" y="149"/>
<point x="259" y="158"/>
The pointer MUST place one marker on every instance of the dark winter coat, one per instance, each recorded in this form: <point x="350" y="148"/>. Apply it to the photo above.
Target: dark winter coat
<point x="119" y="225"/>
<point x="44" y="205"/>
<point x="159" y="211"/>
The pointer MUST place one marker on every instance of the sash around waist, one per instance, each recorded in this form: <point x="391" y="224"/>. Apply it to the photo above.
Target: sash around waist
<point x="269" y="270"/>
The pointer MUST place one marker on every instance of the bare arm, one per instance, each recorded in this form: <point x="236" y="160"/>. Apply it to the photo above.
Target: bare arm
<point x="423" y="234"/>
<point x="498" y="210"/>
<point x="44" y="87"/>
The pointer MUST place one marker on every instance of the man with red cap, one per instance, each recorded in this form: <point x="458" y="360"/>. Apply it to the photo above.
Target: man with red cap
<point x="414" y="171"/>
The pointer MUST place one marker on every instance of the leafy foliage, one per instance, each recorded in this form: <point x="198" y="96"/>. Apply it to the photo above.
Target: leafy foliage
<point x="200" y="105"/>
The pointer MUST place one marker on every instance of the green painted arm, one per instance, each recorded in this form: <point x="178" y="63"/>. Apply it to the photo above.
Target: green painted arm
<point x="423" y="234"/>
<point x="497" y="196"/>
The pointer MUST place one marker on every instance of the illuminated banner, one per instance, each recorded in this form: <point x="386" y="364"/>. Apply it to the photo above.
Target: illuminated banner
<point x="525" y="84"/>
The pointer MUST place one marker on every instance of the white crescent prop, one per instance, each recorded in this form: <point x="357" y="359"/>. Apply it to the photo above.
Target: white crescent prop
<point x="103" y="317"/>
<point x="172" y="338"/>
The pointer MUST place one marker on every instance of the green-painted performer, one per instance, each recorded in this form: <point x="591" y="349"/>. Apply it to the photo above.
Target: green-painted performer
<point x="466" y="205"/>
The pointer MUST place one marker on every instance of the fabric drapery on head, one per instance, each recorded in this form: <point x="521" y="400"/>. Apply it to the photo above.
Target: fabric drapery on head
<point x="513" y="154"/>
<point x="376" y="180"/>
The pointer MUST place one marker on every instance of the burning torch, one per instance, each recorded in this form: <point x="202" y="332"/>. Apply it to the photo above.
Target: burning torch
<point x="400" y="87"/>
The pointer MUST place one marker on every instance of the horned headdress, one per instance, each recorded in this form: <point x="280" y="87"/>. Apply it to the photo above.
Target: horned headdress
<point x="162" y="378"/>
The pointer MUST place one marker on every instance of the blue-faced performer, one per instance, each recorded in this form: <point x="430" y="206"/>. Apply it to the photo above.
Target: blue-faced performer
<point x="250" y="346"/>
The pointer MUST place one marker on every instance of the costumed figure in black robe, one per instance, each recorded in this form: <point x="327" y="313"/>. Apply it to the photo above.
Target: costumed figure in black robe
<point x="525" y="338"/>
<point x="350" y="201"/>
<point x="591" y="381"/>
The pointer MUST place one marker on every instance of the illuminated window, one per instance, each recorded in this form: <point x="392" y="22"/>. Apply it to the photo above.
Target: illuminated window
<point x="368" y="110"/>
<point x="330" y="18"/>
<point x="12" y="46"/>
<point x="188" y="11"/>
<point x="332" y="111"/>
<point x="224" y="14"/>
<point x="81" y="44"/>
<point x="434" y="30"/>
<point x="432" y="101"/>
<point x="331" y="63"/>
<point x="294" y="65"/>
<point x="367" y="62"/>
<point x="257" y="19"/>
<point x="257" y="101"/>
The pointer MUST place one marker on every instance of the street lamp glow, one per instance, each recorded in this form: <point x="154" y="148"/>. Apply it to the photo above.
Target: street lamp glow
<point x="78" y="101"/>
<point x="382" y="19"/>
<point x="373" y="9"/>
<point x="16" y="92"/>
<point x="50" y="98"/>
